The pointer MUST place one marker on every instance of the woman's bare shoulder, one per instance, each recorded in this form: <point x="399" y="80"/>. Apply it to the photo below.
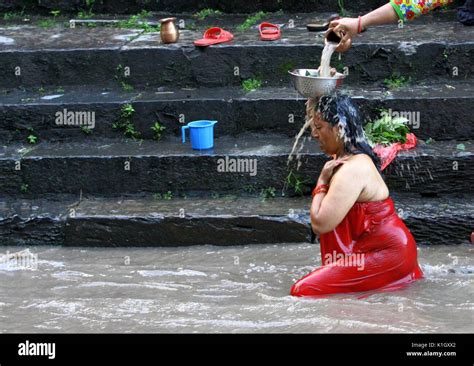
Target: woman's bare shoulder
<point x="355" y="167"/>
<point x="361" y="161"/>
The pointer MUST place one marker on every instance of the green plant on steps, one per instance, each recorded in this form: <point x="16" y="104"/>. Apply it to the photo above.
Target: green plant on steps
<point x="124" y="122"/>
<point x="251" y="20"/>
<point x="46" y="23"/>
<point x="32" y="139"/>
<point x="163" y="196"/>
<point x="251" y="84"/>
<point x="339" y="65"/>
<point x="86" y="130"/>
<point x="266" y="193"/>
<point x="204" y="13"/>
<point x="395" y="82"/>
<point x="85" y="14"/>
<point x="249" y="188"/>
<point x="120" y="77"/>
<point x="158" y="129"/>
<point x="386" y="130"/>
<point x="287" y="66"/>
<point x="129" y="131"/>
<point x="144" y="14"/>
<point x="126" y="87"/>
<point x="445" y="54"/>
<point x="127" y="111"/>
<point x="293" y="180"/>
<point x="24" y="188"/>
<point x="13" y="15"/>
<point x="138" y="22"/>
<point x="342" y="10"/>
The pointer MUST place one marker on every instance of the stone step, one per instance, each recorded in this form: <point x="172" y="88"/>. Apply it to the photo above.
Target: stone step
<point x="249" y="162"/>
<point x="437" y="111"/>
<point x="32" y="56"/>
<point x="234" y="6"/>
<point x="228" y="220"/>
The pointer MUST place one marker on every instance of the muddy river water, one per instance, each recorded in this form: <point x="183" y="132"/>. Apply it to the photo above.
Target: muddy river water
<point x="221" y="289"/>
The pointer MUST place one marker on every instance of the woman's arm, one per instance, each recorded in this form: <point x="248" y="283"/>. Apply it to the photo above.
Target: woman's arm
<point x="411" y="9"/>
<point x="350" y="26"/>
<point x="328" y="209"/>
<point x="314" y="209"/>
<point x="386" y="14"/>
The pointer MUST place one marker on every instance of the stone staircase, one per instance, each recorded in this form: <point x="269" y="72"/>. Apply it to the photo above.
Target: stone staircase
<point x="98" y="187"/>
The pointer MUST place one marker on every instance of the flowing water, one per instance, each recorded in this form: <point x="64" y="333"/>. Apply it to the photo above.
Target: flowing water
<point x="219" y="289"/>
<point x="325" y="67"/>
<point x="324" y="71"/>
<point x="297" y="139"/>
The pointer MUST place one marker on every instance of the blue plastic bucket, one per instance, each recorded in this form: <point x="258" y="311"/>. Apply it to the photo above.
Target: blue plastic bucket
<point x="201" y="134"/>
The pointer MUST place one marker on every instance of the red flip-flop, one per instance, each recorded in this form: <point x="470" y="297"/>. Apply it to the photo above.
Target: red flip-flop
<point x="214" y="35"/>
<point x="269" y="31"/>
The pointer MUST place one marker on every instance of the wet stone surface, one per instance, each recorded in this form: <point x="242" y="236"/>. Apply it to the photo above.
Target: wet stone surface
<point x="27" y="37"/>
<point x="95" y="53"/>
<point x="262" y="110"/>
<point x="220" y="220"/>
<point x="98" y="167"/>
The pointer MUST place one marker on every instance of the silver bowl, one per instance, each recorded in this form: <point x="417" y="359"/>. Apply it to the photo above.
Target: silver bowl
<point x="310" y="85"/>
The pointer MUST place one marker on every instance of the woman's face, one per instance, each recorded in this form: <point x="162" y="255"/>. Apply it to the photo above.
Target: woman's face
<point x="327" y="135"/>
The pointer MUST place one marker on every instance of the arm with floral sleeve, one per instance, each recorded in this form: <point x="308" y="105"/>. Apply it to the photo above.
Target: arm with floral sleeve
<point x="411" y="9"/>
<point x="390" y="12"/>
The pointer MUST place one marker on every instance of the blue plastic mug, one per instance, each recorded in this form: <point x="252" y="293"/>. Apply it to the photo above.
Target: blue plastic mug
<point x="201" y="134"/>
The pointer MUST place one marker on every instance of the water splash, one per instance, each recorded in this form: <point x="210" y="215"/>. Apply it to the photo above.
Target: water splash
<point x="324" y="71"/>
<point x="309" y="104"/>
<point x="325" y="68"/>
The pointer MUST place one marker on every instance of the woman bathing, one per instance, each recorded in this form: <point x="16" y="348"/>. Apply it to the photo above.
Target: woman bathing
<point x="364" y="244"/>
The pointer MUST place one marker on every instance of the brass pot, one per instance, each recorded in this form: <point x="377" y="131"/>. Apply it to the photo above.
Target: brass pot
<point x="169" y="32"/>
<point x="342" y="46"/>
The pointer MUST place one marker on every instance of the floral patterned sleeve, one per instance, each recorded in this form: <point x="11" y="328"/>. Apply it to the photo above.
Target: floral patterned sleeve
<point x="410" y="9"/>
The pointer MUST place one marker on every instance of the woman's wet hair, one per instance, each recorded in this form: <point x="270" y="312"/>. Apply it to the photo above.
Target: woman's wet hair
<point x="339" y="110"/>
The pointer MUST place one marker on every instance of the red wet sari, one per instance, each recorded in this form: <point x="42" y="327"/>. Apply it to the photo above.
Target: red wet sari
<point x="371" y="249"/>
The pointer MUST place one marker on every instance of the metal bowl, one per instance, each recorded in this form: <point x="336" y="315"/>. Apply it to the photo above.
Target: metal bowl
<point x="310" y="85"/>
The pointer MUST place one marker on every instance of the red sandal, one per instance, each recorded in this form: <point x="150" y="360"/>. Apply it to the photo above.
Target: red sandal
<point x="269" y="31"/>
<point x="214" y="35"/>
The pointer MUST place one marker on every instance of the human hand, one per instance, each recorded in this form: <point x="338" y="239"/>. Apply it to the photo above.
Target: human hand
<point x="346" y="28"/>
<point x="332" y="70"/>
<point x="328" y="169"/>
